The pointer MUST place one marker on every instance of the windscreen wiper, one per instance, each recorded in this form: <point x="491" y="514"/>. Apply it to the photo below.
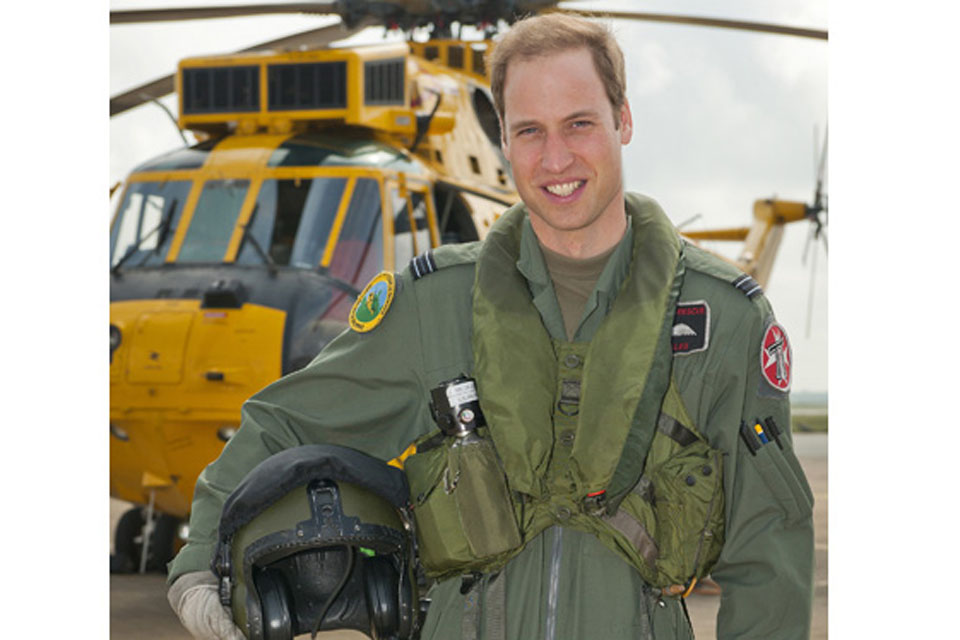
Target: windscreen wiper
<point x="255" y="243"/>
<point x="162" y="229"/>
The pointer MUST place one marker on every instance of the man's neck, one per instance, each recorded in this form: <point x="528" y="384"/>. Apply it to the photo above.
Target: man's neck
<point x="585" y="243"/>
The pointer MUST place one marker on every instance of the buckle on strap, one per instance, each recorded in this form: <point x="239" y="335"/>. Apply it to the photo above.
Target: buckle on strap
<point x="595" y="504"/>
<point x="223" y="569"/>
<point x="569" y="397"/>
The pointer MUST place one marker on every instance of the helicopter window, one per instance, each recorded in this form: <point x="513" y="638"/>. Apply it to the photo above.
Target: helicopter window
<point x="487" y="115"/>
<point x="431" y="52"/>
<point x="359" y="252"/>
<point x="403" y="235"/>
<point x="292" y="220"/>
<point x="292" y="154"/>
<point x="147" y="218"/>
<point x="456" y="222"/>
<point x="189" y="158"/>
<point x="317" y="217"/>
<point x="213" y="221"/>
<point x="313" y="150"/>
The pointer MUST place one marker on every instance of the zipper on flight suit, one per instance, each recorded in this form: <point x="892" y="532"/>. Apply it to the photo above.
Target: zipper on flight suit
<point x="553" y="583"/>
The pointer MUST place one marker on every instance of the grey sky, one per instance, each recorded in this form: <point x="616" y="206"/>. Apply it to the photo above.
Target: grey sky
<point x="722" y="118"/>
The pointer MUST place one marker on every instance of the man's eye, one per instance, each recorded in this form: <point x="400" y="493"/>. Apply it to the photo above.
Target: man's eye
<point x="580" y="124"/>
<point x="527" y="131"/>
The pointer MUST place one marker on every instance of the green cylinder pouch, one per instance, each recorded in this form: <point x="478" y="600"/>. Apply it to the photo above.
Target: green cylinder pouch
<point x="464" y="513"/>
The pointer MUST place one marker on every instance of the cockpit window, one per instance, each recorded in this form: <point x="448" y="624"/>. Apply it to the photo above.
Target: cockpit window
<point x="359" y="252"/>
<point x="146" y="222"/>
<point x="213" y="221"/>
<point x="403" y="233"/>
<point x="292" y="221"/>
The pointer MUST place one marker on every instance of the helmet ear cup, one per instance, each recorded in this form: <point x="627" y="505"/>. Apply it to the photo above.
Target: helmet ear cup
<point x="275" y="602"/>
<point x="409" y="605"/>
<point x="381" y="586"/>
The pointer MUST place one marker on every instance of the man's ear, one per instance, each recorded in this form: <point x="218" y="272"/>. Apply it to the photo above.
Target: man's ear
<point x="503" y="133"/>
<point x="626" y="122"/>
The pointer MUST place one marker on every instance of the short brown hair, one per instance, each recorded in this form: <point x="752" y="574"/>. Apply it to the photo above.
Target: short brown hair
<point x="554" y="33"/>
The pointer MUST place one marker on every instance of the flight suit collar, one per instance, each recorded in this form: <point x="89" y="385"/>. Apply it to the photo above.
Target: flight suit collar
<point x="533" y="267"/>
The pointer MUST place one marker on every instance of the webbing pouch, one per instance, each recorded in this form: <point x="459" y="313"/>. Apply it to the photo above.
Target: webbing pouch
<point x="462" y="505"/>
<point x="672" y="523"/>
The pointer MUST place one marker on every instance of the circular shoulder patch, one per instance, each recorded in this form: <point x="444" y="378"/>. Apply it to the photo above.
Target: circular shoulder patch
<point x="372" y="303"/>
<point x="776" y="360"/>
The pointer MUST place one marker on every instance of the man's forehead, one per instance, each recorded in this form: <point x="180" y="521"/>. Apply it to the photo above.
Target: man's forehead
<point x="575" y="56"/>
<point x="543" y="56"/>
<point x="576" y="86"/>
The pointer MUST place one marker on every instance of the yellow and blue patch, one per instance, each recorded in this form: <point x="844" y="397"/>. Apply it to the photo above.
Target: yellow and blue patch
<point x="372" y="303"/>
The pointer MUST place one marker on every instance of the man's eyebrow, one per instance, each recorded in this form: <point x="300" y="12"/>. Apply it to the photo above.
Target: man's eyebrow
<point x="586" y="113"/>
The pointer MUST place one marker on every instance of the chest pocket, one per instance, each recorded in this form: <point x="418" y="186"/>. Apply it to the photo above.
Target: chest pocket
<point x="671" y="524"/>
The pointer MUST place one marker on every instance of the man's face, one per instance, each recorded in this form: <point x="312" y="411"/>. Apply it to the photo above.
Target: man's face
<point x="560" y="137"/>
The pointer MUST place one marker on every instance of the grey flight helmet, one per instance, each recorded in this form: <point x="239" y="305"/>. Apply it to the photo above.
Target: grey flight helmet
<point x="318" y="537"/>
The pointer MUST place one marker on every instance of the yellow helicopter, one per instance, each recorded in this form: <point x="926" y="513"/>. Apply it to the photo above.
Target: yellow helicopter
<point x="235" y="260"/>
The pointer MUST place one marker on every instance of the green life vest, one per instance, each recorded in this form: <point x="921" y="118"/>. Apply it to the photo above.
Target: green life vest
<point x="586" y="435"/>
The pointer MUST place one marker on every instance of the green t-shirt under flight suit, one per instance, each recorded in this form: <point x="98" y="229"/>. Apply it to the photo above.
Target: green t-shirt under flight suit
<point x="370" y="391"/>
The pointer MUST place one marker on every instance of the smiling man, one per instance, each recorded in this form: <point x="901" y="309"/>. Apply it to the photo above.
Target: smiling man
<point x="617" y="433"/>
<point x="565" y="150"/>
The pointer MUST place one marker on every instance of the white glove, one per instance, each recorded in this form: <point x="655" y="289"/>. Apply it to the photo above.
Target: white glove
<point x="195" y="597"/>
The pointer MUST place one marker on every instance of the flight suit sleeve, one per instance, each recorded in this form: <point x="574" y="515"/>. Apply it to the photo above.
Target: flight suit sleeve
<point x="364" y="390"/>
<point x="766" y="566"/>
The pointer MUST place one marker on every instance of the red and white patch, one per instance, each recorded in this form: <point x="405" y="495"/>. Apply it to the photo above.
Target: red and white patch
<point x="776" y="359"/>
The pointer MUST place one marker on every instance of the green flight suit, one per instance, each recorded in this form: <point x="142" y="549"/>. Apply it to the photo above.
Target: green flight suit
<point x="370" y="391"/>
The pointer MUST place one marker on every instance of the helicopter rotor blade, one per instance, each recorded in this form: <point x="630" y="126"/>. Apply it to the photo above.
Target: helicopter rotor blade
<point x="314" y="37"/>
<point x="806" y="245"/>
<point x="820" y="167"/>
<point x="813" y="280"/>
<point x="136" y="16"/>
<point x="742" y="25"/>
<point x="333" y="6"/>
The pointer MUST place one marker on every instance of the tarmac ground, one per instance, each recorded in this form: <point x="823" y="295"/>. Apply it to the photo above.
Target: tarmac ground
<point x="139" y="609"/>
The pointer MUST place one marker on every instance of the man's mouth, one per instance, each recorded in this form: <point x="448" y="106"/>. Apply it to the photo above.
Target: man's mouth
<point x="564" y="189"/>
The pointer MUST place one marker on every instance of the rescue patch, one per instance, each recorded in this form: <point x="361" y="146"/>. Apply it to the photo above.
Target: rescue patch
<point x="372" y="303"/>
<point x="691" y="327"/>
<point x="776" y="359"/>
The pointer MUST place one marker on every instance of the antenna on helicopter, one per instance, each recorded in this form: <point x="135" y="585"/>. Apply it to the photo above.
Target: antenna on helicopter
<point x="170" y="115"/>
<point x="689" y="221"/>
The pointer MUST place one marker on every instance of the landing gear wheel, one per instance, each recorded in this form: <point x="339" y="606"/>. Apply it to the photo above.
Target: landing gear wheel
<point x="128" y="542"/>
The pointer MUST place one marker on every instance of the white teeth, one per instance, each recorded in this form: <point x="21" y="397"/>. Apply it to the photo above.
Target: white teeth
<point x="564" y="189"/>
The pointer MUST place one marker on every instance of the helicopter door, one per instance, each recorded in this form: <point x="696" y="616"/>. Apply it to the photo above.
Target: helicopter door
<point x="414" y="222"/>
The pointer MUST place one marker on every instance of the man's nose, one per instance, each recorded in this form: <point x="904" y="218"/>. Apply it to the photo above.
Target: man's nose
<point x="556" y="154"/>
